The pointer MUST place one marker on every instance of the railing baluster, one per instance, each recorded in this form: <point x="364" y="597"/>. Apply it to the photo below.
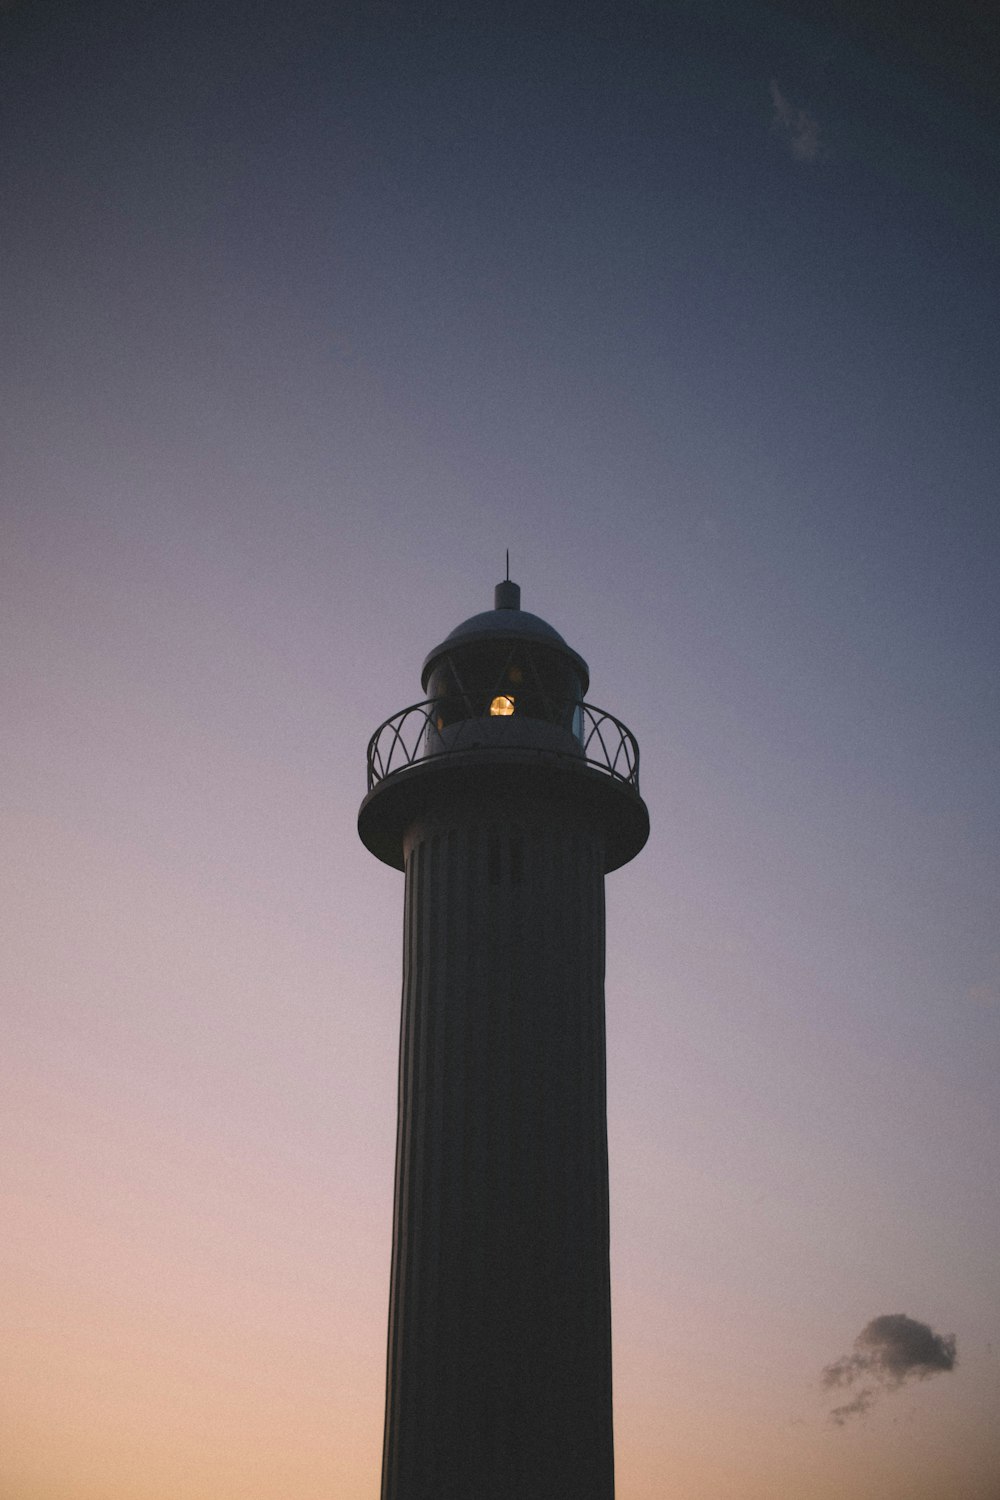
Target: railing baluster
<point x="402" y="740"/>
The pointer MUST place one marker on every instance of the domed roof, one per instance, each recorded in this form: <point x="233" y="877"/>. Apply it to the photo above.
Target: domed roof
<point x="506" y="623"/>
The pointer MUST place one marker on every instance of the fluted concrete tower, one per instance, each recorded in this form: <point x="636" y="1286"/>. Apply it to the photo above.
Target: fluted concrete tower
<point x="506" y="799"/>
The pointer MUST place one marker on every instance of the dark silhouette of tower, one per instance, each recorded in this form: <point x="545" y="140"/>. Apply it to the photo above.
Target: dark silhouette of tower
<point x="506" y="799"/>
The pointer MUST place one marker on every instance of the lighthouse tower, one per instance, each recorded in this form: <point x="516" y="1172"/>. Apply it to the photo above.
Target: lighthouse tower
<point x="506" y="798"/>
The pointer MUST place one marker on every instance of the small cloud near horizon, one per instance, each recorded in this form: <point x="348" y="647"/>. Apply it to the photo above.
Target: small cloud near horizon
<point x="798" y="129"/>
<point x="889" y="1351"/>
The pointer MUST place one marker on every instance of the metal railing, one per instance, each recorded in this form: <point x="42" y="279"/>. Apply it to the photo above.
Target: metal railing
<point x="443" y="726"/>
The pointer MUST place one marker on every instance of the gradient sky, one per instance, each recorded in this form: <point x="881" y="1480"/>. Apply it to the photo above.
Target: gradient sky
<point x="307" y="312"/>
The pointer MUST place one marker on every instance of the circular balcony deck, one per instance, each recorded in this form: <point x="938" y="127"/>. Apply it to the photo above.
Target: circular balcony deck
<point x="578" y="755"/>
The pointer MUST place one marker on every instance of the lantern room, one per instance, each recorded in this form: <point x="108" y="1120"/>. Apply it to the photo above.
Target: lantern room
<point x="504" y="723"/>
<point x="505" y="664"/>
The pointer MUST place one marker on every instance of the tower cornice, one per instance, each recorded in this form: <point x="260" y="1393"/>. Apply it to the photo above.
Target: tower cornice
<point x="502" y="781"/>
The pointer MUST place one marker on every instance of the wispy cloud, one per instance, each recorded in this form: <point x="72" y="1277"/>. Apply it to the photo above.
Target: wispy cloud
<point x="888" y="1351"/>
<point x="798" y="129"/>
<point x="986" y="995"/>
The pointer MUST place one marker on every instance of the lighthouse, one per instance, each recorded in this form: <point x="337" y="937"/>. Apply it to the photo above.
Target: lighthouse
<point x="506" y="798"/>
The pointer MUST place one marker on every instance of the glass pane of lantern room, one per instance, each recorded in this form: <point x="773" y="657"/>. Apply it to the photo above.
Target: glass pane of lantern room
<point x="504" y="678"/>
